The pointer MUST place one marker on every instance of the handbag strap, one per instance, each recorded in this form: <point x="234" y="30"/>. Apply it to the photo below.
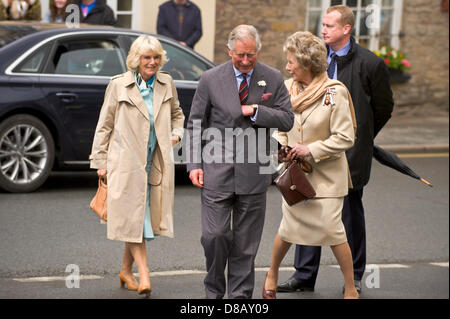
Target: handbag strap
<point x="305" y="166"/>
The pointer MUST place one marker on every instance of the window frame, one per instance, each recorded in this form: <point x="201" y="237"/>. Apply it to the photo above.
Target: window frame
<point x="374" y="33"/>
<point x="134" y="12"/>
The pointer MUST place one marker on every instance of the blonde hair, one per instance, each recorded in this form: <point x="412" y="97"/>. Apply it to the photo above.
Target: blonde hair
<point x="142" y="45"/>
<point x="309" y="50"/>
<point x="347" y="16"/>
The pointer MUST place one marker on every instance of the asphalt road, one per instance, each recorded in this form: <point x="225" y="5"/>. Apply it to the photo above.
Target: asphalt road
<point x="43" y="232"/>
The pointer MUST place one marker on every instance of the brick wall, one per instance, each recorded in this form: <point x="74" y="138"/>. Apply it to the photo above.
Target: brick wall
<point x="425" y="41"/>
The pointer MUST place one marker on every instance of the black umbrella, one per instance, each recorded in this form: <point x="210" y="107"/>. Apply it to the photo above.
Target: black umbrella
<point x="390" y="159"/>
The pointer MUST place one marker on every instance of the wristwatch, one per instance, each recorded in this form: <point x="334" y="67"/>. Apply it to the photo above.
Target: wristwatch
<point x="255" y="108"/>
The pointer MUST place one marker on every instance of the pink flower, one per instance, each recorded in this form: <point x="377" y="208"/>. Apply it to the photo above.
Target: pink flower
<point x="406" y="63"/>
<point x="386" y="61"/>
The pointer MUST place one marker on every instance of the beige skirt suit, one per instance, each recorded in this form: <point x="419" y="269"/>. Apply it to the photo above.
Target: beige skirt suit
<point x="327" y="129"/>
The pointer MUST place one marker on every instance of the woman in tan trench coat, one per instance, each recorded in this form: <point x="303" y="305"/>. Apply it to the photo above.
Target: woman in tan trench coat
<point x="324" y="128"/>
<point x="140" y="122"/>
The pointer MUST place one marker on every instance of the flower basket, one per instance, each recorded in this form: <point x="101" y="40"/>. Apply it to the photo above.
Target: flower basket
<point x="396" y="62"/>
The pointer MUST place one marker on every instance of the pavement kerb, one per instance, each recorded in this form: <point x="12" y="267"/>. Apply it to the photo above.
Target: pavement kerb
<point x="418" y="148"/>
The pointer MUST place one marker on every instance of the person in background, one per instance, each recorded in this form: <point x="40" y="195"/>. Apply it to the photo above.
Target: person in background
<point x="180" y="20"/>
<point x="367" y="78"/>
<point x="20" y="10"/>
<point x="139" y="123"/>
<point x="96" y="12"/>
<point x="57" y="11"/>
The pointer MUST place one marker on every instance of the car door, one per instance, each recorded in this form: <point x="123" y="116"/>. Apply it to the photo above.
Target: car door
<point x="74" y="81"/>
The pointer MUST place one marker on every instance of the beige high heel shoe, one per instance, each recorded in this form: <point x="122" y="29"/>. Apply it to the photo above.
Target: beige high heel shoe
<point x="145" y="289"/>
<point x="130" y="284"/>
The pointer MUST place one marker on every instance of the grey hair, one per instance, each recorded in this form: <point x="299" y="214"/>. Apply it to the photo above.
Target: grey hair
<point x="142" y="45"/>
<point x="242" y="32"/>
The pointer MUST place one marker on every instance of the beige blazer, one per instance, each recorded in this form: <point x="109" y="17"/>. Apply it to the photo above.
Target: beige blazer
<point x="328" y="132"/>
<point x="120" y="146"/>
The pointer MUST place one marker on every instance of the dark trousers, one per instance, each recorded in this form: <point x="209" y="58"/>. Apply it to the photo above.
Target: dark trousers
<point x="307" y="258"/>
<point x="232" y="226"/>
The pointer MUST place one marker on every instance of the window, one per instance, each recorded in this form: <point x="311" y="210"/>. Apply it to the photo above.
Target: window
<point x="34" y="62"/>
<point x="127" y="12"/>
<point x="377" y="22"/>
<point x="88" y="57"/>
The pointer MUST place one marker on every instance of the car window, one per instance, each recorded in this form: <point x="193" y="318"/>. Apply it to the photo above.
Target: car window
<point x="88" y="57"/>
<point x="182" y="65"/>
<point x="34" y="62"/>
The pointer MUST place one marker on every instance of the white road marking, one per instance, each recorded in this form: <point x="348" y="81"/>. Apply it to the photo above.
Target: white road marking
<point x="48" y="279"/>
<point x="202" y="272"/>
<point x="440" y="264"/>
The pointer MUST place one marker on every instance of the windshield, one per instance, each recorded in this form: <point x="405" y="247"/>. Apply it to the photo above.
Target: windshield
<point x="10" y="33"/>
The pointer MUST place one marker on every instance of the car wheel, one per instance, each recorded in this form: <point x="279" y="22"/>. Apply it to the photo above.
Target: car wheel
<point x="27" y="153"/>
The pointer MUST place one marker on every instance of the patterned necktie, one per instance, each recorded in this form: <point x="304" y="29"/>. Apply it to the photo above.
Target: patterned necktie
<point x="332" y="66"/>
<point x="243" y="89"/>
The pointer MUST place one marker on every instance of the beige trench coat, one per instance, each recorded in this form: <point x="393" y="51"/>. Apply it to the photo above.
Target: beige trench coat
<point x="120" y="146"/>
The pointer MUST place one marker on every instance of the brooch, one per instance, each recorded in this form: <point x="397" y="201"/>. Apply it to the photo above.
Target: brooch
<point x="328" y="99"/>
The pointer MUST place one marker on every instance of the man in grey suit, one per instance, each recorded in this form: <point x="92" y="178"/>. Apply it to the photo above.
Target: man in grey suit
<point x="237" y="105"/>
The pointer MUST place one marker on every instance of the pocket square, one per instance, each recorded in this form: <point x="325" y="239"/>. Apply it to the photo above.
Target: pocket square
<point x="266" y="96"/>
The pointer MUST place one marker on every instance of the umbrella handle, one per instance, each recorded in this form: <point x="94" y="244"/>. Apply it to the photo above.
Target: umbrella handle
<point x="426" y="182"/>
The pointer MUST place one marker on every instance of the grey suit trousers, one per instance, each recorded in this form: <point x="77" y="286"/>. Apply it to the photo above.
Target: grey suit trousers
<point x="232" y="226"/>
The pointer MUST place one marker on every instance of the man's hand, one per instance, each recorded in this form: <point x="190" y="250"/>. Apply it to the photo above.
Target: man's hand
<point x="247" y="110"/>
<point x="174" y="139"/>
<point x="196" y="177"/>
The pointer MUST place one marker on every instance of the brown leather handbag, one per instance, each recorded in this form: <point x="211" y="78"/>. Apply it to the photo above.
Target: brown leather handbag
<point x="293" y="184"/>
<point x="98" y="203"/>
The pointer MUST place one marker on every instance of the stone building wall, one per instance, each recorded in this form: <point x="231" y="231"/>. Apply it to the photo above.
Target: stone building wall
<point x="425" y="40"/>
<point x="274" y="19"/>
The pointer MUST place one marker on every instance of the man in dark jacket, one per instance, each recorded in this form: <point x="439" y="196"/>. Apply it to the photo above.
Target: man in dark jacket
<point x="180" y="20"/>
<point x="96" y="12"/>
<point x="367" y="78"/>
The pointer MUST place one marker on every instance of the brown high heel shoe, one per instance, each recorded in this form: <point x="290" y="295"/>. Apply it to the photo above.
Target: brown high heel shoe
<point x="130" y="284"/>
<point x="268" y="294"/>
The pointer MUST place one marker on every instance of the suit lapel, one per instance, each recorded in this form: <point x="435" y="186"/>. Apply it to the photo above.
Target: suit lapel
<point x="306" y="113"/>
<point x="159" y="93"/>
<point x="137" y="100"/>
<point x="255" y="91"/>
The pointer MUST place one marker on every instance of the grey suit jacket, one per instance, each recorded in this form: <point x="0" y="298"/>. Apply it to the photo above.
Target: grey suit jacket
<point x="233" y="164"/>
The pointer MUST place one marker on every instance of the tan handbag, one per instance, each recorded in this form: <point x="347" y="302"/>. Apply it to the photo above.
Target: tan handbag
<point x="293" y="184"/>
<point x="98" y="203"/>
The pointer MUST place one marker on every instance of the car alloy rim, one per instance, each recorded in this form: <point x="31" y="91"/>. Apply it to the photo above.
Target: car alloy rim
<point x="23" y="154"/>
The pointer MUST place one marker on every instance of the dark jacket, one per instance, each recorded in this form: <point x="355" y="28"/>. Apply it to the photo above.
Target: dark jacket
<point x="101" y="14"/>
<point x="169" y="25"/>
<point x="367" y="78"/>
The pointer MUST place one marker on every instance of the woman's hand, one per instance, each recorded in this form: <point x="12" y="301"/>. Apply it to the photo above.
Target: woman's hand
<point x="297" y="151"/>
<point x="101" y="173"/>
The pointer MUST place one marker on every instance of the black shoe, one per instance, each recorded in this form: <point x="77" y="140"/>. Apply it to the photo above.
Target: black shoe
<point x="293" y="285"/>
<point x="357" y="286"/>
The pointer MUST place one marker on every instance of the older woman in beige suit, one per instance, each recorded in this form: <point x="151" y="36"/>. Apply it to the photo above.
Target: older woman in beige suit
<point x="324" y="128"/>
<point x="139" y="123"/>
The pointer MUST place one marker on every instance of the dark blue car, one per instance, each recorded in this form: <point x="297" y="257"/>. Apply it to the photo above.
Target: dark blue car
<point x="52" y="85"/>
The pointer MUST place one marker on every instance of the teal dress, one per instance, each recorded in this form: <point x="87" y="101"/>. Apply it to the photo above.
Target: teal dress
<point x="146" y="90"/>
